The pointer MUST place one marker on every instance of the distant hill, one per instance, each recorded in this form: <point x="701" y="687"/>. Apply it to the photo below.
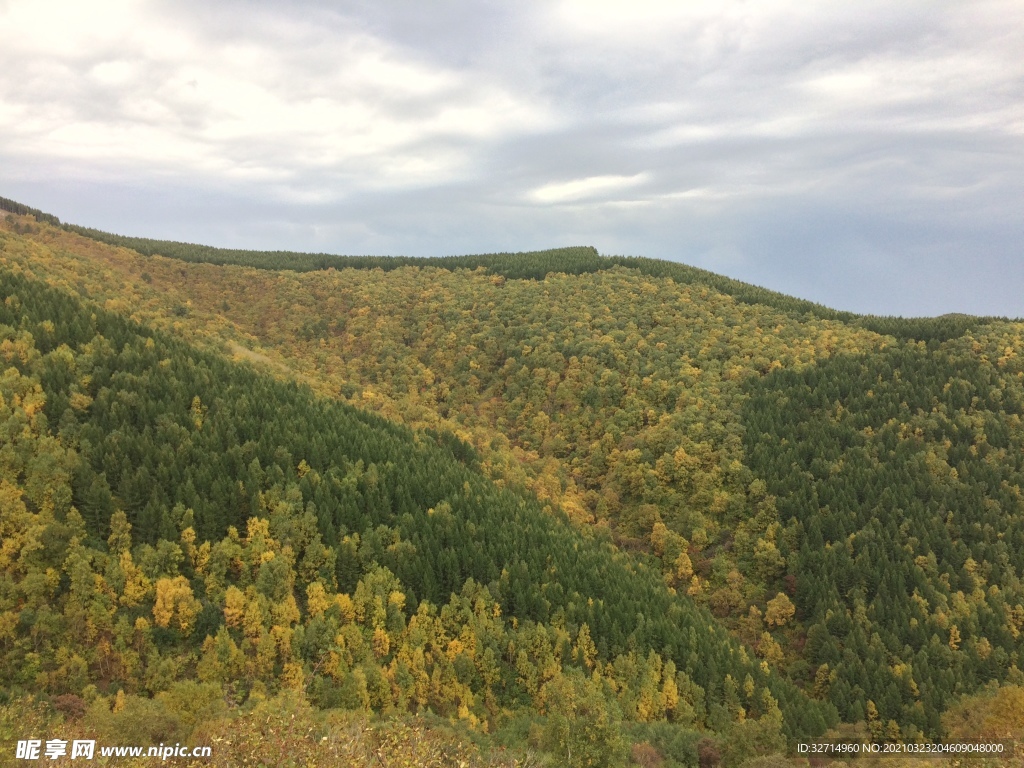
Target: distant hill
<point x="523" y="265"/>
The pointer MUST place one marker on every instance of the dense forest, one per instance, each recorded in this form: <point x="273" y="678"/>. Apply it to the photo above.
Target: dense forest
<point x="589" y="509"/>
<point x="900" y="475"/>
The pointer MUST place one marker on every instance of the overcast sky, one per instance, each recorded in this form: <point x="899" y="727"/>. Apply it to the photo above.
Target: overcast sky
<point x="866" y="155"/>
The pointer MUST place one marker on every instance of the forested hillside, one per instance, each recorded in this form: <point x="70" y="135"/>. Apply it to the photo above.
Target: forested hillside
<point x="901" y="473"/>
<point x="613" y="491"/>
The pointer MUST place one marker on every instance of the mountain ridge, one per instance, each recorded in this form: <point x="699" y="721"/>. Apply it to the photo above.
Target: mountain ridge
<point x="523" y="265"/>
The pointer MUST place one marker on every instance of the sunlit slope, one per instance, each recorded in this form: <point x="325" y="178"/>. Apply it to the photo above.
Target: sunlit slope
<point x="613" y="394"/>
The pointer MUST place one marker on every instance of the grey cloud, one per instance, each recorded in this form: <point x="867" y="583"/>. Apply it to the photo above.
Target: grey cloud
<point x="866" y="156"/>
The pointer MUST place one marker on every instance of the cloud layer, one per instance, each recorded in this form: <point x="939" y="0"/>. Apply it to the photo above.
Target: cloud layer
<point x="870" y="156"/>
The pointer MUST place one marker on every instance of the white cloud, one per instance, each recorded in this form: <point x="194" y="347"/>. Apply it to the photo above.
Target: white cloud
<point x="584" y="189"/>
<point x="132" y="85"/>
<point x="114" y="73"/>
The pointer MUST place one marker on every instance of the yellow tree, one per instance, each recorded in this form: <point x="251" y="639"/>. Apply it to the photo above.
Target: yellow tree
<point x="780" y="611"/>
<point x="175" y="601"/>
